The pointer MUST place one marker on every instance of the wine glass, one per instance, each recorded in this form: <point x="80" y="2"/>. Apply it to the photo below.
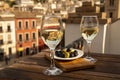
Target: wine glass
<point x="52" y="33"/>
<point x="89" y="29"/>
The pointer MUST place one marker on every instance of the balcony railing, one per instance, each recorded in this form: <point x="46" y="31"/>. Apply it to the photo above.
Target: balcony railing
<point x="34" y="39"/>
<point x="9" y="42"/>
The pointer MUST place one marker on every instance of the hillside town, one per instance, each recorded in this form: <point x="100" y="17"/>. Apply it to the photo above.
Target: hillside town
<point x="78" y="50"/>
<point x="20" y="21"/>
<point x="20" y="29"/>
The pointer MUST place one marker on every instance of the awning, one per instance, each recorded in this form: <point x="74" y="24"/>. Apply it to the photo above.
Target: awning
<point x="20" y="49"/>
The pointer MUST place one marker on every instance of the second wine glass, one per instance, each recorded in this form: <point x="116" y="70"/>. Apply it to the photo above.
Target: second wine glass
<point x="89" y="29"/>
<point x="52" y="33"/>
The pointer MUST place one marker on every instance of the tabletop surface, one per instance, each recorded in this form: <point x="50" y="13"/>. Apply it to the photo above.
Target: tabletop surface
<point x="107" y="68"/>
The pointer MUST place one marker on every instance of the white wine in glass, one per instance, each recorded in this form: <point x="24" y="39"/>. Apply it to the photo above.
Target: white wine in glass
<point x="89" y="29"/>
<point x="52" y="33"/>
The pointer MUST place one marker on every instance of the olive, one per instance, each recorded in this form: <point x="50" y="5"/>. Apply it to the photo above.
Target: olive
<point x="68" y="49"/>
<point x="59" y="54"/>
<point x="72" y="54"/>
<point x="75" y="53"/>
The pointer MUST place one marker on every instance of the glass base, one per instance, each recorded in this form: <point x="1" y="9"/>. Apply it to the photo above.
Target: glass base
<point x="52" y="71"/>
<point x="91" y="59"/>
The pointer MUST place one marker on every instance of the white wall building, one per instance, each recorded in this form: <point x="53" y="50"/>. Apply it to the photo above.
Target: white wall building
<point x="25" y="2"/>
<point x="7" y="33"/>
<point x="73" y="33"/>
<point x="24" y="5"/>
<point x="113" y="38"/>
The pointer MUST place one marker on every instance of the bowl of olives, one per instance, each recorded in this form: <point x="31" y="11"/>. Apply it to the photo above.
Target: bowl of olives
<point x="68" y="54"/>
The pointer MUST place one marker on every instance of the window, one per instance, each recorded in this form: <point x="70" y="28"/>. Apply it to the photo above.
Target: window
<point x="26" y="24"/>
<point x="33" y="24"/>
<point x="8" y="28"/>
<point x="33" y="36"/>
<point x="9" y="39"/>
<point x="1" y="39"/>
<point x="111" y="15"/>
<point x="27" y="37"/>
<point x="20" y="37"/>
<point x="39" y="34"/>
<point x="10" y="50"/>
<point x="102" y="9"/>
<point x="1" y="30"/>
<point x="1" y="42"/>
<point x="102" y="1"/>
<point x="34" y="45"/>
<point x="111" y="2"/>
<point x="20" y="25"/>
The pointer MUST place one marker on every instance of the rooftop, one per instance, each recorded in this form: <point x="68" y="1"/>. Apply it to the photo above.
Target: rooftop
<point x="24" y="15"/>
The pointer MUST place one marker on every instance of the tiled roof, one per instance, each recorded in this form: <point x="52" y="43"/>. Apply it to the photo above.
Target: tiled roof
<point x="86" y="9"/>
<point x="6" y="18"/>
<point x="24" y="15"/>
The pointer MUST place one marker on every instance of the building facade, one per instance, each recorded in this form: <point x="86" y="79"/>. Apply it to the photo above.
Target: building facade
<point x="7" y="34"/>
<point x="26" y="33"/>
<point x="24" y="5"/>
<point x="113" y="38"/>
<point x="39" y="39"/>
<point x="112" y="8"/>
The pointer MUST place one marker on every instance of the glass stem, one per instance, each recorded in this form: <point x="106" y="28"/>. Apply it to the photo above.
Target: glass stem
<point x="52" y="65"/>
<point x="89" y="49"/>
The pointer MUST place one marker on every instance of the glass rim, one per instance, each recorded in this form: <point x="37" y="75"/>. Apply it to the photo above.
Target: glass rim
<point x="85" y="16"/>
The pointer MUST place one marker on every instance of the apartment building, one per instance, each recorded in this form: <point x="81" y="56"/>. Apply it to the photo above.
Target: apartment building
<point x="7" y="34"/>
<point x="24" y="5"/>
<point x="112" y="8"/>
<point x="26" y="33"/>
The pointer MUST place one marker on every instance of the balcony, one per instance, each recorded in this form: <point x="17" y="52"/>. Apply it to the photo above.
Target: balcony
<point x="8" y="30"/>
<point x="26" y="40"/>
<point x="34" y="39"/>
<point x="19" y="28"/>
<point x="20" y="42"/>
<point x="9" y="42"/>
<point x="26" y="28"/>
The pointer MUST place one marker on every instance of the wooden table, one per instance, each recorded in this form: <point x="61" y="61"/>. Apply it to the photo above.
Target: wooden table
<point x="107" y="68"/>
